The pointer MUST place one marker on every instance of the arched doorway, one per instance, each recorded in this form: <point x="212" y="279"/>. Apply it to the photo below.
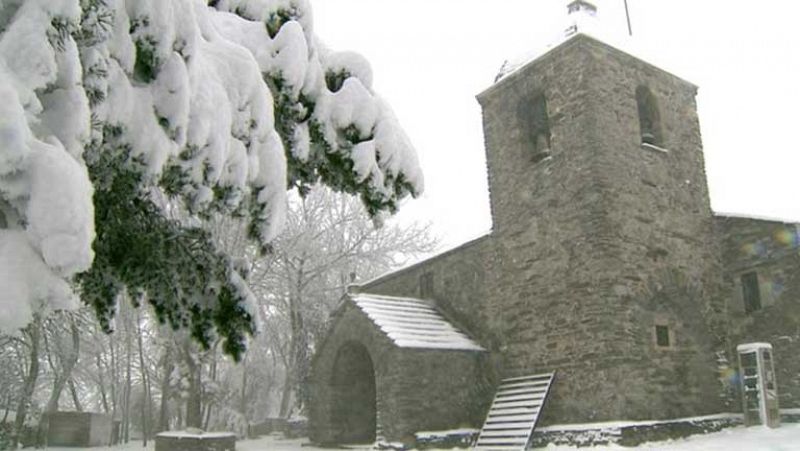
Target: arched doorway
<point x="353" y="415"/>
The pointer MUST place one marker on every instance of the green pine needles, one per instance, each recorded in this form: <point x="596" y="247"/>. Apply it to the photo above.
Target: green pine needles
<point x="173" y="267"/>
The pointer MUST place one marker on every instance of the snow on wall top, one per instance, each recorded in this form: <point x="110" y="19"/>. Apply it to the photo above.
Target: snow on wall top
<point x="413" y="323"/>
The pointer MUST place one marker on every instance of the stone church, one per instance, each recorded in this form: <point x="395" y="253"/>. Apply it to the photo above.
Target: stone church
<point x="605" y="264"/>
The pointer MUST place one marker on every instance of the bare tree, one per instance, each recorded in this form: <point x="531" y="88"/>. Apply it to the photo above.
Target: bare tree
<point x="328" y="242"/>
<point x="62" y="354"/>
<point x="145" y="380"/>
<point x="32" y="334"/>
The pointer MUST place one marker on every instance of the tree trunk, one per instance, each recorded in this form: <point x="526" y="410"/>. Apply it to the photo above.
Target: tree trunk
<point x="243" y="399"/>
<point x="112" y="347"/>
<point x="75" y="399"/>
<point x="101" y="383"/>
<point x="68" y="362"/>
<point x="286" y="394"/>
<point x="126" y="406"/>
<point x="180" y="418"/>
<point x="297" y="356"/>
<point x="34" y="331"/>
<point x="209" y="405"/>
<point x="145" y="383"/>
<point x="163" y="419"/>
<point x="194" y="402"/>
<point x="194" y="405"/>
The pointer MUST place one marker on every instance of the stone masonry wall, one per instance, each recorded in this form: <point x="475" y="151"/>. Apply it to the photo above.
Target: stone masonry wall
<point x="593" y="246"/>
<point x="460" y="287"/>
<point x="545" y="215"/>
<point x="350" y="325"/>
<point x="771" y="249"/>
<point x="659" y="253"/>
<point x="416" y="389"/>
<point x="590" y="259"/>
<point x="436" y="390"/>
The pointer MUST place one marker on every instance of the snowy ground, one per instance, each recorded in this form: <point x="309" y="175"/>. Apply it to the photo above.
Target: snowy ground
<point x="785" y="438"/>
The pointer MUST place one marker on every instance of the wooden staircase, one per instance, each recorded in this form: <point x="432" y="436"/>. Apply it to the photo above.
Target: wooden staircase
<point x="515" y="410"/>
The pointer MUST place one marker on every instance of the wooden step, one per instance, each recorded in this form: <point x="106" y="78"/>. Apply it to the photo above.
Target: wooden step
<point x="523" y="397"/>
<point x="509" y="433"/>
<point x="500" y="411"/>
<point x="487" y="442"/>
<point x="525" y="384"/>
<point x="514" y="391"/>
<point x="514" y="413"/>
<point x="515" y="425"/>
<point x="503" y="418"/>
<point x="538" y="377"/>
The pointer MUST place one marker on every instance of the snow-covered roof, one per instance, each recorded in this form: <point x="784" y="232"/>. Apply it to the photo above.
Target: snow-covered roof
<point x="413" y="323"/>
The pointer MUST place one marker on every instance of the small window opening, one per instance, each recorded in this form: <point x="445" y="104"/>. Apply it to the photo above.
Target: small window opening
<point x="426" y="285"/>
<point x="750" y="292"/>
<point x="662" y="336"/>
<point x="649" y="117"/>
<point x="533" y="117"/>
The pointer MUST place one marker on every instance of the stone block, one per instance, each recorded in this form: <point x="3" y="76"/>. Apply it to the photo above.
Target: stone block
<point x="80" y="429"/>
<point x="190" y="441"/>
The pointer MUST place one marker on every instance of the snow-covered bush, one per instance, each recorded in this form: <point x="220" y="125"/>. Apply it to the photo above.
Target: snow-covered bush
<point x="107" y="105"/>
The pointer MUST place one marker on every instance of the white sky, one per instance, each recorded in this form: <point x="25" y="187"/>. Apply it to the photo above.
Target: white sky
<point x="431" y="57"/>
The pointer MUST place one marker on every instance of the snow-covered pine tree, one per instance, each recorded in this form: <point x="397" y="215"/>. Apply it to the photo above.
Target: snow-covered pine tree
<point x="108" y="105"/>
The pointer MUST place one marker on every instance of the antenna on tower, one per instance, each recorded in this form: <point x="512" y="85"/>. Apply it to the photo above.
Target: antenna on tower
<point x="628" y="17"/>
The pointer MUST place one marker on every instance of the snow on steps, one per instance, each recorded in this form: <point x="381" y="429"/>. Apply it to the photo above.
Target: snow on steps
<point x="514" y="412"/>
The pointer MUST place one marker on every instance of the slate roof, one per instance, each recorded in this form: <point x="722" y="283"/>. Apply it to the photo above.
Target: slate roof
<point x="413" y="323"/>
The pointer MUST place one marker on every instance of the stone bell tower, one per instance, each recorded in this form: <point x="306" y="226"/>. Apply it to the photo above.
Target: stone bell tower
<point x="601" y="213"/>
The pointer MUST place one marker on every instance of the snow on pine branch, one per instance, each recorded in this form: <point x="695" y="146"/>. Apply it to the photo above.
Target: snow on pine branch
<point x="225" y="103"/>
<point x="336" y="129"/>
<point x="45" y="194"/>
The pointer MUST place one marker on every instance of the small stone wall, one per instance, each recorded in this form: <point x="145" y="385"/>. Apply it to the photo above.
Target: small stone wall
<point x="186" y="441"/>
<point x="266" y="427"/>
<point x="77" y="429"/>
<point x="591" y="434"/>
<point x="456" y="438"/>
<point x="632" y="434"/>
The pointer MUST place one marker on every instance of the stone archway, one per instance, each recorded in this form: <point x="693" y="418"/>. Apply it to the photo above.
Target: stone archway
<point x="352" y="383"/>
